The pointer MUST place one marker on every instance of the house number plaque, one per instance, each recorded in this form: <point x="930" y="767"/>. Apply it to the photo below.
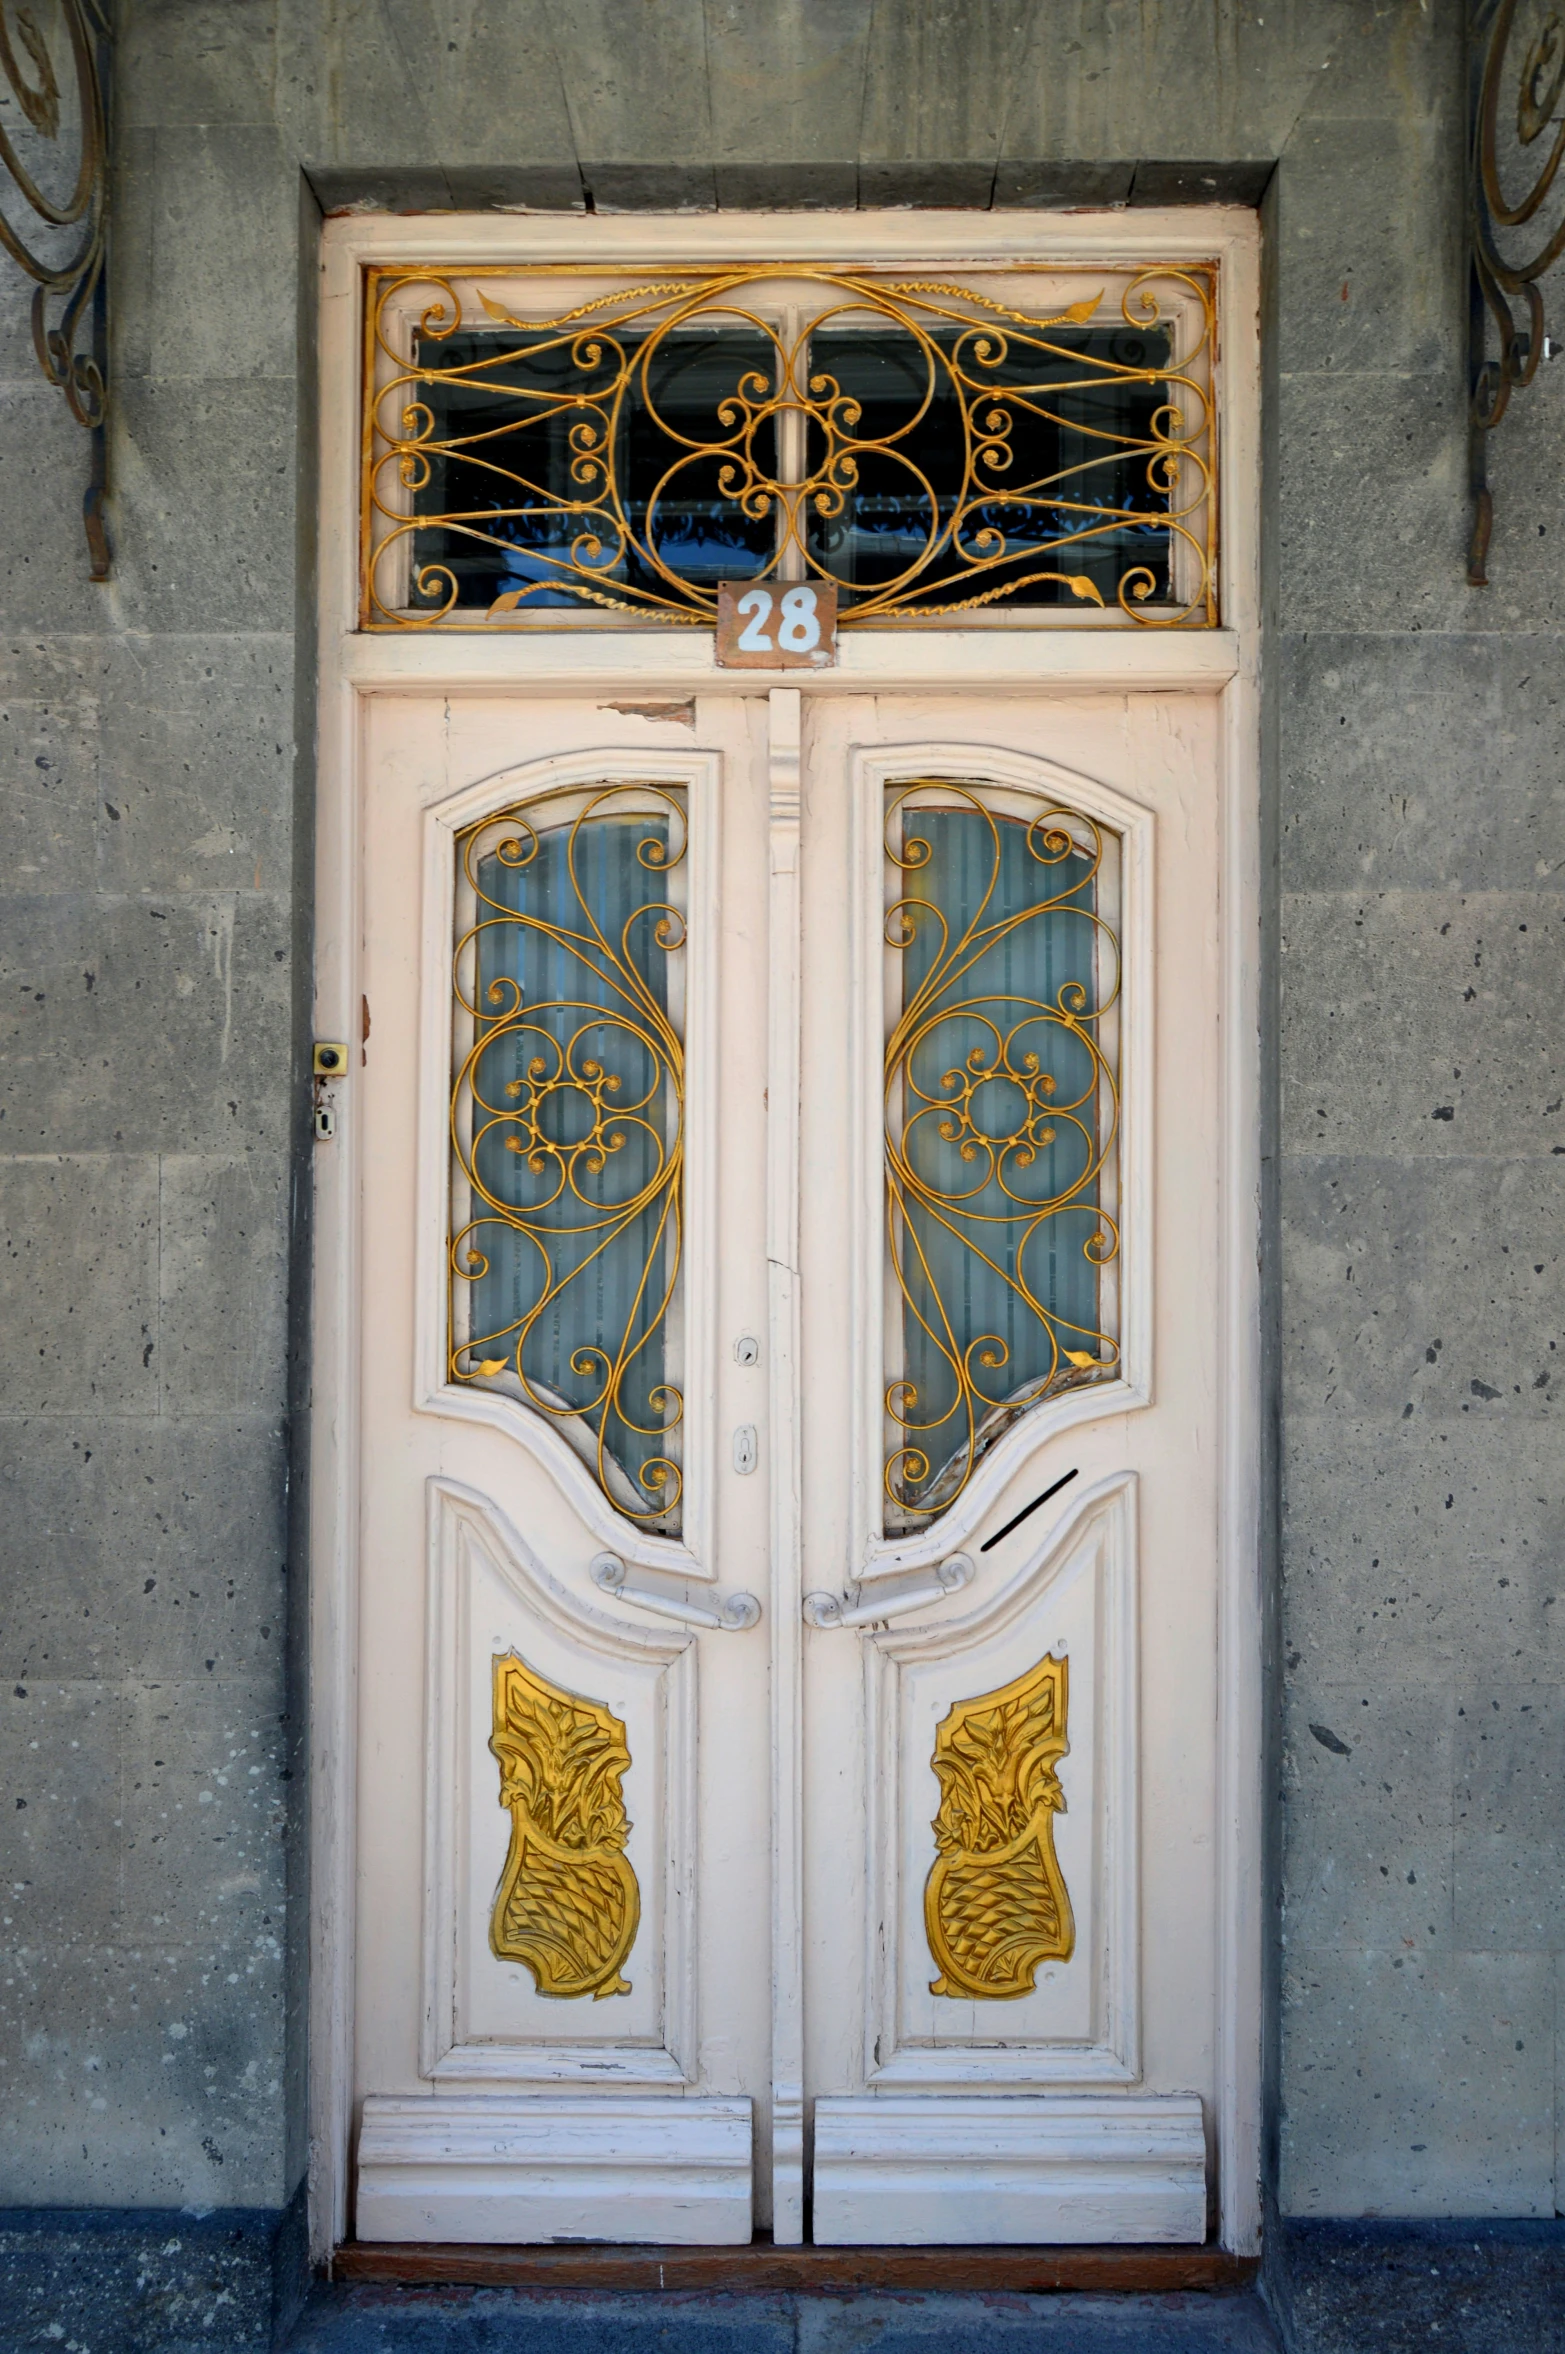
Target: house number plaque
<point x="776" y="625"/>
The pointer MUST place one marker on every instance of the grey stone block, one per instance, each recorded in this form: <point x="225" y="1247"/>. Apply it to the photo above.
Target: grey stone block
<point x="132" y="265"/>
<point x="164" y="2279"/>
<point x="141" y="1550"/>
<point x="1427" y="1288"/>
<point x="78" y="1284"/>
<point x="787" y="187"/>
<point x="1370" y="64"/>
<point x="543" y="187"/>
<point x="1423" y="1023"/>
<point x="48" y="788"/>
<point x="1428" y="761"/>
<point x="62" y="1821"/>
<point x="1226" y="81"/>
<point x="1372" y="525"/>
<point x="133" y="1025"/>
<point x="635" y="84"/>
<point x="410" y="188"/>
<point x="184" y="63"/>
<point x="927" y="185"/>
<point x="1059" y="185"/>
<point x="223" y="1285"/>
<point x="1368" y="1820"/>
<point x="1510" y="1817"/>
<point x="938" y="83"/>
<point x="18" y="361"/>
<point x="89" y="2024"/>
<point x="1418" y="1552"/>
<point x="1368" y="270"/>
<point x="224" y="215"/>
<point x="44" y="588"/>
<point x="345" y="91"/>
<point x="205" y="477"/>
<point x="1418" y="2083"/>
<point x="651" y="187"/>
<point x="197" y="770"/>
<point x="485" y="79"/>
<point x="787" y="94"/>
<point x="1489" y="2288"/>
<point x="204" y="1818"/>
<point x="1202" y="182"/>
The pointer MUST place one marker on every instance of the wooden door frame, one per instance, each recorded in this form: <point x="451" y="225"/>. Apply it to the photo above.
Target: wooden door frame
<point x="679" y="663"/>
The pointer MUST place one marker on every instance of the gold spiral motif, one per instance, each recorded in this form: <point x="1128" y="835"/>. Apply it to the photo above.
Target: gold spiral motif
<point x="960" y="1037"/>
<point x="995" y="1902"/>
<point x="603" y="1055"/>
<point x="991" y="533"/>
<point x="567" y="1904"/>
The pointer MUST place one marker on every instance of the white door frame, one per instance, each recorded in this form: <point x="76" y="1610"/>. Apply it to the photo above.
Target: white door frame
<point x="354" y="666"/>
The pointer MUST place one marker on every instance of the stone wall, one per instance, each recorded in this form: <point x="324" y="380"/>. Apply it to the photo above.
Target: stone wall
<point x="156" y="946"/>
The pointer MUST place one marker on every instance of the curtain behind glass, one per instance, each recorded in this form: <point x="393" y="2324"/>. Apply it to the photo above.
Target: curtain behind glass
<point x="609" y="1274"/>
<point x="970" y="1243"/>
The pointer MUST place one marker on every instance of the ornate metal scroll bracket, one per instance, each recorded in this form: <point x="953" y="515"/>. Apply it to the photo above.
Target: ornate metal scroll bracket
<point x="732" y="1617"/>
<point x="54" y="83"/>
<point x="1509" y="246"/>
<point x="853" y="1610"/>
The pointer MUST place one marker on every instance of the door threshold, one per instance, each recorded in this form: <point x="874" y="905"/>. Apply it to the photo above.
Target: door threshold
<point x="763" y="2267"/>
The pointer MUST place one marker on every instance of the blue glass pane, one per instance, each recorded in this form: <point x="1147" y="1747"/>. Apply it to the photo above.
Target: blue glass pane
<point x="999" y="1114"/>
<point x="573" y="1240"/>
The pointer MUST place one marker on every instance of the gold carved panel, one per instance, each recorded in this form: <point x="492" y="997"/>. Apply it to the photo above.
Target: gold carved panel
<point x="995" y="1904"/>
<point x="567" y="1904"/>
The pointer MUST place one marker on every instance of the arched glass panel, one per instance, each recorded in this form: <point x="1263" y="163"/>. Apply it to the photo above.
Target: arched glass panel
<point x="1002" y="1101"/>
<point x="567" y="1127"/>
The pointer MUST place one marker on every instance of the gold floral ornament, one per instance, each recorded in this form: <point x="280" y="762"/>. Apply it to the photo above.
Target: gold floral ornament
<point x="923" y="445"/>
<point x="567" y="1127"/>
<point x="995" y="1903"/>
<point x="567" y="1904"/>
<point x="1001" y="1121"/>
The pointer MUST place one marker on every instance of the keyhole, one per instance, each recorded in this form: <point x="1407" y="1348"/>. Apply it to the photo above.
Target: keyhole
<point x="745" y="1448"/>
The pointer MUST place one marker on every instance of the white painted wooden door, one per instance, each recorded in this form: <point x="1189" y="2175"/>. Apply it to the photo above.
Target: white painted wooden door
<point x="1011" y="1318"/>
<point x="563" y="1939"/>
<point x="771" y="1812"/>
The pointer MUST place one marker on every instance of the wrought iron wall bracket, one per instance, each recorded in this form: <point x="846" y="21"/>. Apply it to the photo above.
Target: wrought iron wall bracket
<point x="1509" y="246"/>
<point x="60" y="240"/>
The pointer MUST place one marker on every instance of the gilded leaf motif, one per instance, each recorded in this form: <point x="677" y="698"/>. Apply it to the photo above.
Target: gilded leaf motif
<point x="568" y="1904"/>
<point x="995" y="1903"/>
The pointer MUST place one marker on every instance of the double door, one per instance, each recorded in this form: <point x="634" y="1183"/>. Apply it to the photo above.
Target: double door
<point x="788" y="1233"/>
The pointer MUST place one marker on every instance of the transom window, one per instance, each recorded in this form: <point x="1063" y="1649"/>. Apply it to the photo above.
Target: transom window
<point x="1033" y="446"/>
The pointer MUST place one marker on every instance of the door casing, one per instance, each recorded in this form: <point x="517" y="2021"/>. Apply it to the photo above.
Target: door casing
<point x="661" y="662"/>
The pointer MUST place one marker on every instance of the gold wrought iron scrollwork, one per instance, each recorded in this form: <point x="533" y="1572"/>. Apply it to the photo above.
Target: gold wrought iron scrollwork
<point x="596" y="1085"/>
<point x="1513" y="238"/>
<point x="995" y="1902"/>
<point x="958" y="1037"/>
<point x="1003" y="372"/>
<point x="58" y="239"/>
<point x="567" y="1904"/>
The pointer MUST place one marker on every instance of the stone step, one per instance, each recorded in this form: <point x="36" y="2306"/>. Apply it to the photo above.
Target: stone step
<point x="376" y="2318"/>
